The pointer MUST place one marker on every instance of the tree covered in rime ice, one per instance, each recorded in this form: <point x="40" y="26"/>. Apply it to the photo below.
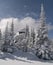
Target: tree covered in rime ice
<point x="8" y="38"/>
<point x="27" y="31"/>
<point x="33" y="35"/>
<point x="12" y="33"/>
<point x="6" y="35"/>
<point x="26" y="40"/>
<point x="0" y="35"/>
<point x="6" y="42"/>
<point x="0" y="39"/>
<point x="42" y="44"/>
<point x="12" y="45"/>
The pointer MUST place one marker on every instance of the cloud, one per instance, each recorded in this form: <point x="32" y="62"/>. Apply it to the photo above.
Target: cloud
<point x="21" y="23"/>
<point x="25" y="6"/>
<point x="18" y="23"/>
<point x="50" y="26"/>
<point x="32" y="14"/>
<point x="27" y="14"/>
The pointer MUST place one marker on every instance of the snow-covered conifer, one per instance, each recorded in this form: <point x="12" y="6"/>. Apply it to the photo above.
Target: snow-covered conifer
<point x="42" y="44"/>
<point x="12" y="33"/>
<point x="0" y="39"/>
<point x="6" y="35"/>
<point x="33" y="35"/>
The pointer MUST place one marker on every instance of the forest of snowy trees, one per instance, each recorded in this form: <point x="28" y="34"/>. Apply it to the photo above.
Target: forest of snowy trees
<point x="38" y="43"/>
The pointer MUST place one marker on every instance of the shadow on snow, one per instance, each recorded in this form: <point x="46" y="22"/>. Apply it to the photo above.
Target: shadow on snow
<point x="22" y="56"/>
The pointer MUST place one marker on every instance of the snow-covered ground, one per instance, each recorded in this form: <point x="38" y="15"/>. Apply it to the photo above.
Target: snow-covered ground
<point x="18" y="62"/>
<point x="19" y="58"/>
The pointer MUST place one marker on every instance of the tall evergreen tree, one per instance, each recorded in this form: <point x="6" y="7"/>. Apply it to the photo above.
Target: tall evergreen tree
<point x="33" y="35"/>
<point x="0" y="35"/>
<point x="26" y="40"/>
<point x="27" y="34"/>
<point x="12" y="33"/>
<point x="6" y="35"/>
<point x="27" y="31"/>
<point x="6" y="39"/>
<point x="42" y="44"/>
<point x="0" y="39"/>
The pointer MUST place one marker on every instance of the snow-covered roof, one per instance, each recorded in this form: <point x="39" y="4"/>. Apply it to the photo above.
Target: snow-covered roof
<point x="22" y="30"/>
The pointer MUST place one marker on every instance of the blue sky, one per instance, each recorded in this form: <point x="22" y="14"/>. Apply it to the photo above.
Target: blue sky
<point x="23" y="8"/>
